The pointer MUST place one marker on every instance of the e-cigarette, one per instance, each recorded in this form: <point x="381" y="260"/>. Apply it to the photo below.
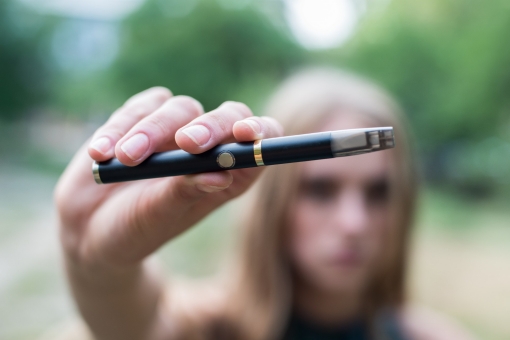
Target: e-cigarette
<point x="270" y="151"/>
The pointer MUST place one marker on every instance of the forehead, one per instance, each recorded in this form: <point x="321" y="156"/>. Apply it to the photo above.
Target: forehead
<point x="356" y="168"/>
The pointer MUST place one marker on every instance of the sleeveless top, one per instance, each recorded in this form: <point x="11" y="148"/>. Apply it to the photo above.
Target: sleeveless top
<point x="300" y="329"/>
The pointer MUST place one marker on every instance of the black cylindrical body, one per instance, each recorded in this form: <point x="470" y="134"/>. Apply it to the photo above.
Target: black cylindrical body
<point x="177" y="162"/>
<point x="271" y="151"/>
<point x="298" y="148"/>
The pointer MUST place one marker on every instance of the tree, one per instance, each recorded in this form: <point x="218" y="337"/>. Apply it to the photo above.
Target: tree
<point x="22" y="70"/>
<point x="212" y="53"/>
<point x="447" y="62"/>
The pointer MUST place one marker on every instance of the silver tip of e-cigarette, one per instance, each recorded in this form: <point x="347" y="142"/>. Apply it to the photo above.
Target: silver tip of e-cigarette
<point x="358" y="141"/>
<point x="95" y="172"/>
<point x="381" y="138"/>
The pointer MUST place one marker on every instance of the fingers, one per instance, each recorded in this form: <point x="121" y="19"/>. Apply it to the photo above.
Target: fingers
<point x="157" y="130"/>
<point x="151" y="122"/>
<point x="211" y="129"/>
<point x="103" y="143"/>
<point x="254" y="128"/>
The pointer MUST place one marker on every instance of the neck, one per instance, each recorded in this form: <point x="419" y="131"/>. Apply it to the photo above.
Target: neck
<point x="327" y="308"/>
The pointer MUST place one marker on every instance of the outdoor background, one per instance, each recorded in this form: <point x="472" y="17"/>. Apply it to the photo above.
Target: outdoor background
<point x="66" y="65"/>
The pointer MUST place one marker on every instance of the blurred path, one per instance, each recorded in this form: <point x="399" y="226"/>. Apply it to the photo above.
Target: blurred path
<point x="465" y="278"/>
<point x="32" y="290"/>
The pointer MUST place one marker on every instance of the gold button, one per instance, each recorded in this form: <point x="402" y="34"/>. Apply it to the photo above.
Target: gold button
<point x="225" y="160"/>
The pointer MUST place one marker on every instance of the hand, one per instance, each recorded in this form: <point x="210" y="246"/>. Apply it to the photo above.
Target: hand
<point x="117" y="225"/>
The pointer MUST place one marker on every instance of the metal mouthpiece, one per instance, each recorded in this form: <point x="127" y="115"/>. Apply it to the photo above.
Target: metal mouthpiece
<point x="358" y="141"/>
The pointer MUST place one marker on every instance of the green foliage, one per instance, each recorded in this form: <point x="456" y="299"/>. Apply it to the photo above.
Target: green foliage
<point x="447" y="62"/>
<point x="22" y="71"/>
<point x="212" y="54"/>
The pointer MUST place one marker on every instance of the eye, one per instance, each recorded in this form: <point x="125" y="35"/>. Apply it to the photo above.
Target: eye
<point x="378" y="192"/>
<point x="319" y="189"/>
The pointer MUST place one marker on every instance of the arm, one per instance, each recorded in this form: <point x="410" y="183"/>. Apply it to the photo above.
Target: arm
<point x="108" y="231"/>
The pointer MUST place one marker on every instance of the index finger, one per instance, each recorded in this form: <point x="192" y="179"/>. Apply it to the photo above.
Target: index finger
<point x="210" y="129"/>
<point x="102" y="145"/>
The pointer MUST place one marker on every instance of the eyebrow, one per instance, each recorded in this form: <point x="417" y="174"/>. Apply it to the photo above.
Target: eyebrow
<point x="383" y="178"/>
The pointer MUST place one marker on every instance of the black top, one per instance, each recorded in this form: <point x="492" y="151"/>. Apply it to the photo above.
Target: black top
<point x="300" y="329"/>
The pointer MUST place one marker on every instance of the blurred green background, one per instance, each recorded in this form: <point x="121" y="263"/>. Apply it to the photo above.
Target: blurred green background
<point x="65" y="66"/>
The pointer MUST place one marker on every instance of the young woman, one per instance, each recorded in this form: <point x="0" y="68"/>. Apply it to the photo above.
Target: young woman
<point x="323" y="249"/>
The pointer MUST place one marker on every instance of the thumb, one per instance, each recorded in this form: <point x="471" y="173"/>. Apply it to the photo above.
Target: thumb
<point x="150" y="214"/>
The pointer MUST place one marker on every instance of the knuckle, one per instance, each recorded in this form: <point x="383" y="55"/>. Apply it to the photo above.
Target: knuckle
<point x="116" y="113"/>
<point x="257" y="119"/>
<point x="160" y="92"/>
<point x="113" y="131"/>
<point x="270" y="120"/>
<point x="158" y="123"/>
<point x="217" y="119"/>
<point x="273" y="124"/>
<point x="135" y="98"/>
<point x="262" y="125"/>
<point x="189" y="104"/>
<point x="156" y="92"/>
<point x="239" y="107"/>
<point x="136" y="112"/>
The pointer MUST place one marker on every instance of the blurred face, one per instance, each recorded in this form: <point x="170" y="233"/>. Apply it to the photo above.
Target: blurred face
<point x="340" y="219"/>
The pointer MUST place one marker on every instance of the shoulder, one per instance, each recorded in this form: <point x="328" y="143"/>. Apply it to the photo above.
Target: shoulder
<point x="421" y="323"/>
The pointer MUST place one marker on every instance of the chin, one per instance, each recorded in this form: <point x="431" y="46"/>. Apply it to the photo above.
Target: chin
<point x="336" y="281"/>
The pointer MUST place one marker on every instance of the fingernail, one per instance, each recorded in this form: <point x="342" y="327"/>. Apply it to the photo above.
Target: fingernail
<point x="210" y="188"/>
<point x="136" y="146"/>
<point x="197" y="133"/>
<point x="253" y="125"/>
<point x="102" y="145"/>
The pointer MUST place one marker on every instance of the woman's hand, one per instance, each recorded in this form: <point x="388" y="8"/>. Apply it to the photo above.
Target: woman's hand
<point x="118" y="225"/>
<point x="107" y="230"/>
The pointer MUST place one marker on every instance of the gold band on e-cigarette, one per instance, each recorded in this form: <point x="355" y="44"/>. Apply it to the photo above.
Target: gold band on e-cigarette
<point x="257" y="152"/>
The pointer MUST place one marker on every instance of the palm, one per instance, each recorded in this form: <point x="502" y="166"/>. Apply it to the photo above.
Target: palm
<point x="115" y="217"/>
<point x="123" y="223"/>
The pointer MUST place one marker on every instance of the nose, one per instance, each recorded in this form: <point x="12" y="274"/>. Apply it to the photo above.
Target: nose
<point x="351" y="212"/>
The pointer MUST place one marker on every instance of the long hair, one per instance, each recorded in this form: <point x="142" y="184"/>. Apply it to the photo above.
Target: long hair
<point x="258" y="292"/>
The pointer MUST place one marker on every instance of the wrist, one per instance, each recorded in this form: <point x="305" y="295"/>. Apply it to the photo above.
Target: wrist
<point x="101" y="276"/>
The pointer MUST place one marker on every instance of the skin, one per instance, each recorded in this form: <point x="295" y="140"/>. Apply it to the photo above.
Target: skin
<point x="108" y="232"/>
<point x="338" y="224"/>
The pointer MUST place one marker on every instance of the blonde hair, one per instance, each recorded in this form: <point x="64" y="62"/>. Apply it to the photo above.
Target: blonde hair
<point x="258" y="296"/>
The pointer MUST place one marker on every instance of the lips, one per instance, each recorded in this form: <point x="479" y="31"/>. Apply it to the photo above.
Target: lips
<point x="350" y="258"/>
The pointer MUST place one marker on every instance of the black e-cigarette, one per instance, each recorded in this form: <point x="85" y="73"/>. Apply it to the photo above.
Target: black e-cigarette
<point x="271" y="151"/>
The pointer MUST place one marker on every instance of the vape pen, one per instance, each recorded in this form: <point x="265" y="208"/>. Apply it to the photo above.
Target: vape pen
<point x="270" y="151"/>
